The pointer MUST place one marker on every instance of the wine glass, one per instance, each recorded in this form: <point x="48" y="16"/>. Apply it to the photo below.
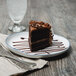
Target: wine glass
<point x="17" y="10"/>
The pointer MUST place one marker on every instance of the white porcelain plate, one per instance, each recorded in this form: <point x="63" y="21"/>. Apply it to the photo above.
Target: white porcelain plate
<point x="18" y="43"/>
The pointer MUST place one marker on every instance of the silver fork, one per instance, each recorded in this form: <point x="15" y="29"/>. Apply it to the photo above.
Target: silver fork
<point x="8" y="54"/>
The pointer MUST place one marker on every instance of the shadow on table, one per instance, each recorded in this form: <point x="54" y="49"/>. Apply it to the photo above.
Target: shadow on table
<point x="29" y="72"/>
<point x="66" y="54"/>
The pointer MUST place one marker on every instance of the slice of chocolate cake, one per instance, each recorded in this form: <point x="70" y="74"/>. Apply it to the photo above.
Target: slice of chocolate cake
<point x="40" y="35"/>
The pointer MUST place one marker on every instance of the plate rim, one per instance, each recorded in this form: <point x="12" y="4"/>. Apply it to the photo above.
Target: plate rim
<point x="35" y="56"/>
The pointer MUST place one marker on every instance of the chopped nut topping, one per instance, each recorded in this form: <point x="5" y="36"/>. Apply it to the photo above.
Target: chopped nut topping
<point x="40" y="24"/>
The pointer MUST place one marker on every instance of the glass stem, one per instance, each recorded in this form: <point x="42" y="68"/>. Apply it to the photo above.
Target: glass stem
<point x="16" y="24"/>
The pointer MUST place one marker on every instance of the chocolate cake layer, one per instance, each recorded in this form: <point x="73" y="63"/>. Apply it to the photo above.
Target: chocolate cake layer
<point x="40" y="35"/>
<point x="38" y="41"/>
<point x="40" y="45"/>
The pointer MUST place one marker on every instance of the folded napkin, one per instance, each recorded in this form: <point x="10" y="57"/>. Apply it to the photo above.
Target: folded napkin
<point x="9" y="67"/>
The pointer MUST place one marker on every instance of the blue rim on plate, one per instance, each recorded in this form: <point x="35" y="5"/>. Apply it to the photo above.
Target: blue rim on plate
<point x="19" y="52"/>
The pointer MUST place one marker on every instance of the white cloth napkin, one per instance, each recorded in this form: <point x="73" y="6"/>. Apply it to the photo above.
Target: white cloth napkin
<point x="7" y="67"/>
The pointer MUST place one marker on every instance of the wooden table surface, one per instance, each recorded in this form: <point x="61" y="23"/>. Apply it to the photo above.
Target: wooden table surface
<point x="61" y="14"/>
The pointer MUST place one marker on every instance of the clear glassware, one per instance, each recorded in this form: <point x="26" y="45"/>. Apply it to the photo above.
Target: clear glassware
<point x="17" y="10"/>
